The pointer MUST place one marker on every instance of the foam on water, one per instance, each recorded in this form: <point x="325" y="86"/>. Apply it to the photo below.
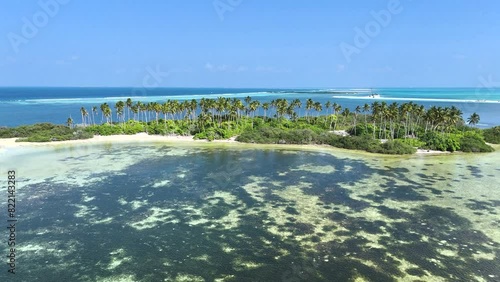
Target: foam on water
<point x="416" y="99"/>
<point x="100" y="100"/>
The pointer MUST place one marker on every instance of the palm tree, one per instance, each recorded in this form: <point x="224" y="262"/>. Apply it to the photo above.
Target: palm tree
<point x="392" y="115"/>
<point x="383" y="116"/>
<point x="94" y="112"/>
<point x="265" y="107"/>
<point x="357" y="111"/>
<point x="254" y="105"/>
<point x="366" y="108"/>
<point x="157" y="108"/>
<point x="309" y="106"/>
<point x="296" y="104"/>
<point x="375" y="112"/>
<point x="193" y="106"/>
<point x="248" y="99"/>
<point x="336" y="109"/>
<point x="119" y="106"/>
<point x="328" y="104"/>
<point x="106" y="112"/>
<point x="220" y="108"/>
<point x="473" y="119"/>
<point x="84" y="113"/>
<point x="135" y="110"/>
<point x="128" y="104"/>
<point x="281" y="107"/>
<point x="69" y="122"/>
<point x="345" y="113"/>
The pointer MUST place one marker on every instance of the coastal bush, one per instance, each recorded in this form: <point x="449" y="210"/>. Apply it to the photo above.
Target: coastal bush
<point x="361" y="130"/>
<point x="52" y="136"/>
<point x="492" y="135"/>
<point x="154" y="128"/>
<point x="352" y="142"/>
<point x="441" y="142"/>
<point x="133" y="127"/>
<point x="396" y="147"/>
<point x="262" y="135"/>
<point x="298" y="136"/>
<point x="414" y="142"/>
<point x="30" y="130"/>
<point x="44" y="132"/>
<point x="105" y="129"/>
<point x="474" y="144"/>
<point x="270" y="135"/>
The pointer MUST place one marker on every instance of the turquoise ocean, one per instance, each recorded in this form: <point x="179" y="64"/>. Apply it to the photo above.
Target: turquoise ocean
<point x="44" y="104"/>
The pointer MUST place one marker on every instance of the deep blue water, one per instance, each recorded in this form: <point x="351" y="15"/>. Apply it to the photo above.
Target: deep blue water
<point x="30" y="105"/>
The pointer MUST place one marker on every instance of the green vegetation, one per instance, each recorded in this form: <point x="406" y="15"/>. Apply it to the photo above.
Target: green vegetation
<point x="492" y="135"/>
<point x="44" y="132"/>
<point x="403" y="127"/>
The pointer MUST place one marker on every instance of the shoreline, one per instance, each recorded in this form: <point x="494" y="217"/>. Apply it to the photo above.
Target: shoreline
<point x="140" y="137"/>
<point x="9" y="143"/>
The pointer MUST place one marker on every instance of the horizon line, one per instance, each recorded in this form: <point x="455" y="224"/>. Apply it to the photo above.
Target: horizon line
<point x="239" y="87"/>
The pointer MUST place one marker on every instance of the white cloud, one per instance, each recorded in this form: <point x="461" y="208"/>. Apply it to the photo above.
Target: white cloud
<point x="241" y="69"/>
<point x="67" y="61"/>
<point x="270" y="69"/>
<point x="209" y="66"/>
<point x="224" y="68"/>
<point x="235" y="69"/>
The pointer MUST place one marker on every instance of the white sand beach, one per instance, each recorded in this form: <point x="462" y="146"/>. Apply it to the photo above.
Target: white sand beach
<point x="140" y="137"/>
<point x="145" y="138"/>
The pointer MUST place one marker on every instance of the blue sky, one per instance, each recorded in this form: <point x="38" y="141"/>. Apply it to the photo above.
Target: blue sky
<point x="249" y="43"/>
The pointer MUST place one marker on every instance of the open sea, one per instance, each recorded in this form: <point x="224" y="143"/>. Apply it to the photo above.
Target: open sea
<point x="31" y="105"/>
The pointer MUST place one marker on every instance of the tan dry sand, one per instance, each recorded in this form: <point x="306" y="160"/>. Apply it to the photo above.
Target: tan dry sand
<point x="140" y="137"/>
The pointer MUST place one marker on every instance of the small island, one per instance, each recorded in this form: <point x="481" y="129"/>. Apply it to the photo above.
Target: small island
<point x="377" y="127"/>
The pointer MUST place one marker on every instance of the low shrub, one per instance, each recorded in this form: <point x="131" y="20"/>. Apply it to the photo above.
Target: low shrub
<point x="361" y="130"/>
<point x="44" y="132"/>
<point x="492" y="135"/>
<point x="396" y="147"/>
<point x="441" y="142"/>
<point x="414" y="142"/>
<point x="105" y="129"/>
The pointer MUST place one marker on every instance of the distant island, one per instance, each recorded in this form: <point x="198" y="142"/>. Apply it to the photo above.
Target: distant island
<point x="377" y="127"/>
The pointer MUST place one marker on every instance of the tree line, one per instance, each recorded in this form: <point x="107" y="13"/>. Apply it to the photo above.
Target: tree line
<point x="384" y="117"/>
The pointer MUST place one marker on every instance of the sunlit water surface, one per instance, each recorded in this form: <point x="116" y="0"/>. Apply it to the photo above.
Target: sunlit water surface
<point x="163" y="212"/>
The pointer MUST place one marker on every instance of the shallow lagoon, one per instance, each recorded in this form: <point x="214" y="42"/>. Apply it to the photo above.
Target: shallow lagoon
<point x="224" y="212"/>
